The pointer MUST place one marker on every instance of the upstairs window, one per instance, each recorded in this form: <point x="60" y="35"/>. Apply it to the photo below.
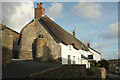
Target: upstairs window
<point x="69" y="59"/>
<point x="69" y="47"/>
<point x="90" y="56"/>
<point x="40" y="36"/>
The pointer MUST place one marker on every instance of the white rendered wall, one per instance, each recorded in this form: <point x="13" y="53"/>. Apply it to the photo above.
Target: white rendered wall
<point x="96" y="56"/>
<point x="69" y="50"/>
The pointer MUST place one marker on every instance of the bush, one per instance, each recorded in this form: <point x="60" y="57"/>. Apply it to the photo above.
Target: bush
<point x="93" y="64"/>
<point x="2" y="27"/>
<point x="104" y="63"/>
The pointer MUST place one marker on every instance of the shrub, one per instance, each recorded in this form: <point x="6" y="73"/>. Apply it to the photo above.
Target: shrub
<point x="93" y="64"/>
<point x="104" y="63"/>
<point x="2" y="27"/>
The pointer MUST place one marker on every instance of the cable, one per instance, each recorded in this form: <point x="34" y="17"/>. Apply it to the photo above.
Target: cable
<point x="83" y="19"/>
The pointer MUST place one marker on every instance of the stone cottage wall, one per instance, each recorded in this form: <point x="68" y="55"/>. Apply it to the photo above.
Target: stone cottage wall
<point x="31" y="46"/>
<point x="8" y="37"/>
<point x="26" y="40"/>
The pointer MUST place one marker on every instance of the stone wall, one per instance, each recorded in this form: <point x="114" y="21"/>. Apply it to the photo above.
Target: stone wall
<point x="31" y="46"/>
<point x="103" y="73"/>
<point x="8" y="39"/>
<point x="70" y="71"/>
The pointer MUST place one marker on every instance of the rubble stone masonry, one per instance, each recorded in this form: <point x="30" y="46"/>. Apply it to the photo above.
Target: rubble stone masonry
<point x="33" y="47"/>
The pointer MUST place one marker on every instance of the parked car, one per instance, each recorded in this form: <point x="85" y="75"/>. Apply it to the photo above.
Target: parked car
<point x="117" y="68"/>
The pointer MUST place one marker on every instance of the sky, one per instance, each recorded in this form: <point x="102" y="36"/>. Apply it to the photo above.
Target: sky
<point x="94" y="22"/>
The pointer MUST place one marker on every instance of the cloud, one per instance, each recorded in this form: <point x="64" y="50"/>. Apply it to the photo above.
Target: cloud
<point x="109" y="56"/>
<point x="99" y="45"/>
<point x="89" y="10"/>
<point x="112" y="32"/>
<point x="55" y="11"/>
<point x="17" y="14"/>
<point x="105" y="50"/>
<point x="117" y="52"/>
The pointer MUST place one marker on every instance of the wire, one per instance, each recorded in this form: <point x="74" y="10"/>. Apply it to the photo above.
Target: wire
<point x="91" y="25"/>
<point x="83" y="20"/>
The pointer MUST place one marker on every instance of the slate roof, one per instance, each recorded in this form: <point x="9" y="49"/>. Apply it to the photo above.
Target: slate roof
<point x="63" y="35"/>
<point x="94" y="50"/>
<point x="12" y="30"/>
<point x="17" y="34"/>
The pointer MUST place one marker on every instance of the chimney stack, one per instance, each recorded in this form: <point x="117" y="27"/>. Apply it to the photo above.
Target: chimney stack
<point x="74" y="33"/>
<point x="39" y="11"/>
<point x="88" y="44"/>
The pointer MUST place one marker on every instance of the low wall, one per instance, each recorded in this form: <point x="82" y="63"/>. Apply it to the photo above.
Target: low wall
<point x="69" y="71"/>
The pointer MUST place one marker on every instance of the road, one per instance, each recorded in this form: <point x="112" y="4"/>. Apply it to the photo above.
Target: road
<point x="22" y="68"/>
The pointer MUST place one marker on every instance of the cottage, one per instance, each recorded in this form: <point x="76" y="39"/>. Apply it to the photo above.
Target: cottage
<point x="93" y="54"/>
<point x="45" y="40"/>
<point x="9" y="45"/>
<point x="42" y="39"/>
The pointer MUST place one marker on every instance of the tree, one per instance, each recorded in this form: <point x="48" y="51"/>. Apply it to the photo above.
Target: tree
<point x="104" y="63"/>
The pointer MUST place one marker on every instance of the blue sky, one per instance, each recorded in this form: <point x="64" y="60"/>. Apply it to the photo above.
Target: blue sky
<point x="94" y="22"/>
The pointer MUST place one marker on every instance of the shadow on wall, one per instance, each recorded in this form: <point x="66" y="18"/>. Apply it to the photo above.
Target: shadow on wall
<point x="6" y="56"/>
<point x="48" y="30"/>
<point x="47" y="56"/>
<point x="45" y="53"/>
<point x="15" y="50"/>
<point x="34" y="44"/>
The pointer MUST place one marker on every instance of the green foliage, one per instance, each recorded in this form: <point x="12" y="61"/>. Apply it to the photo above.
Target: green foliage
<point x="2" y="27"/>
<point x="104" y="63"/>
<point x="93" y="64"/>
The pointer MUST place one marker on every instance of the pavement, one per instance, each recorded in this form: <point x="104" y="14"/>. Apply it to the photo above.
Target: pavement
<point x="113" y="76"/>
<point x="23" y="68"/>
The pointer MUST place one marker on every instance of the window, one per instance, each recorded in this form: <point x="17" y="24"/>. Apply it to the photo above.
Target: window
<point x="40" y="36"/>
<point x="90" y="56"/>
<point x="73" y="59"/>
<point x="69" y="59"/>
<point x="69" y="47"/>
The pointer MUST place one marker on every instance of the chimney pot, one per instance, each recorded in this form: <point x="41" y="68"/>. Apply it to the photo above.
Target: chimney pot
<point x="88" y="44"/>
<point x="38" y="5"/>
<point x="39" y="11"/>
<point x="41" y="5"/>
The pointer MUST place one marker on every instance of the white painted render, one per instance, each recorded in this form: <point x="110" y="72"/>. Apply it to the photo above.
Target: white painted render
<point x="96" y="56"/>
<point x="69" y="50"/>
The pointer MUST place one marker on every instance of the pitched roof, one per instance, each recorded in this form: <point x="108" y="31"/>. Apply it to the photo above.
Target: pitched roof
<point x="12" y="30"/>
<point x="63" y="35"/>
<point x="15" y="32"/>
<point x="94" y="50"/>
<point x="26" y="26"/>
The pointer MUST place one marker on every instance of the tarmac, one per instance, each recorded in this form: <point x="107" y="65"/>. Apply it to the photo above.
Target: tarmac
<point x="23" y="68"/>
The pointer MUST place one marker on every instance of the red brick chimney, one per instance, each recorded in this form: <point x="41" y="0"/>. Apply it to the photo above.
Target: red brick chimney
<point x="88" y="44"/>
<point x="39" y="11"/>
